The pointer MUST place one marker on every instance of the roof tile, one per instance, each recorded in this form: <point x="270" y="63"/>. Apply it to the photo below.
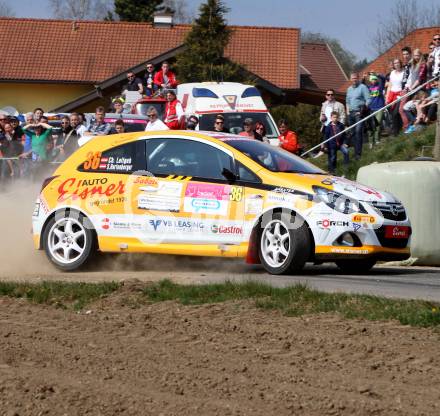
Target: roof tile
<point x="318" y="59"/>
<point x="92" y="51"/>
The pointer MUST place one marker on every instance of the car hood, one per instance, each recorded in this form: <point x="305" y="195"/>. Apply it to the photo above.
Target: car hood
<point x="355" y="190"/>
<point x="351" y="189"/>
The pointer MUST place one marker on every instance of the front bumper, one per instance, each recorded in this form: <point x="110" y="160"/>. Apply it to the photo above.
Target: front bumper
<point x="332" y="253"/>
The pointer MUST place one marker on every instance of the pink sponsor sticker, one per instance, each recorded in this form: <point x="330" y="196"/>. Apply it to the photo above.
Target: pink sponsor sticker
<point x="208" y="191"/>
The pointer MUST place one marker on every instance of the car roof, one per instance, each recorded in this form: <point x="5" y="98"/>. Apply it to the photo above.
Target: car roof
<point x="118" y="139"/>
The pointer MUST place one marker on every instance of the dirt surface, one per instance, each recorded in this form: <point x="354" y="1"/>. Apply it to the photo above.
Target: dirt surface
<point x="219" y="359"/>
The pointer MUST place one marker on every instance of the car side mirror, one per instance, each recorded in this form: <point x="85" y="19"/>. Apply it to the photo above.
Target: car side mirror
<point x="229" y="175"/>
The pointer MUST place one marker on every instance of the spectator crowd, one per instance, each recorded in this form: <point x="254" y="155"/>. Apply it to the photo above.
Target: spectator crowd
<point x="28" y="145"/>
<point x="404" y="99"/>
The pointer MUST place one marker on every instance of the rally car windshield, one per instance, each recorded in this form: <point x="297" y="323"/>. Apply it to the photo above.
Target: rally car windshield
<point x="273" y="158"/>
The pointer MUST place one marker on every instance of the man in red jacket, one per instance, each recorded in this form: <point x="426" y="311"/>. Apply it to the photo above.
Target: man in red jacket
<point x="165" y="78"/>
<point x="288" y="139"/>
<point x="174" y="116"/>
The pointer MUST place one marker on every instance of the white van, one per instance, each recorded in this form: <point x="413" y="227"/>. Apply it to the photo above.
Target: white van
<point x="233" y="100"/>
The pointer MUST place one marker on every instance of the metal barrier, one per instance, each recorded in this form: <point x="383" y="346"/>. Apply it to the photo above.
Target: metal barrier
<point x="373" y="114"/>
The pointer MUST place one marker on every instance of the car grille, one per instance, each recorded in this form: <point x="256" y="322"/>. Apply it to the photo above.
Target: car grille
<point x="393" y="211"/>
<point x="390" y="242"/>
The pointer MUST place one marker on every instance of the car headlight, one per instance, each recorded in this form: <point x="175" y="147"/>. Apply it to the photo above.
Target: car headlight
<point x="337" y="201"/>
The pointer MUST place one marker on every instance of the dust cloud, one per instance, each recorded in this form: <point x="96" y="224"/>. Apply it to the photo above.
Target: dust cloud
<point x="19" y="260"/>
<point x="17" y="253"/>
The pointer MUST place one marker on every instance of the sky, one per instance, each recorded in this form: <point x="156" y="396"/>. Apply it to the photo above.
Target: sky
<point x="352" y="22"/>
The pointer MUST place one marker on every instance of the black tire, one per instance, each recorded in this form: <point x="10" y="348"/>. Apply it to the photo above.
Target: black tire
<point x="356" y="266"/>
<point x="291" y="257"/>
<point x="80" y="235"/>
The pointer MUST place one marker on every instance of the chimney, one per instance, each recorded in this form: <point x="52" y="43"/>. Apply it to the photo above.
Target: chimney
<point x="74" y="26"/>
<point x="163" y="19"/>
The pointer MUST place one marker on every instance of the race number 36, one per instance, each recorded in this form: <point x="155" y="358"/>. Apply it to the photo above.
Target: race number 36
<point x="92" y="161"/>
<point x="236" y="193"/>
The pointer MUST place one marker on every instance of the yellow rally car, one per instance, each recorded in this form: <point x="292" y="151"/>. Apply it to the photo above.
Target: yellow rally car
<point x="206" y="194"/>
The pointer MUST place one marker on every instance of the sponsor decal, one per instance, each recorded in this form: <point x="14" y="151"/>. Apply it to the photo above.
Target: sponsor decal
<point x="282" y="190"/>
<point x="105" y="223"/>
<point x="396" y="231"/>
<point x="356" y="226"/>
<point x="208" y="191"/>
<point x="43" y="205"/>
<point x="206" y="204"/>
<point x="364" y="219"/>
<point x="160" y="196"/>
<point x="95" y="161"/>
<point x="145" y="180"/>
<point x="349" y="251"/>
<point x="176" y="225"/>
<point x="74" y="189"/>
<point x="226" y="229"/>
<point x="163" y="188"/>
<point x="328" y="223"/>
<point x="253" y="205"/>
<point x="208" y="198"/>
<point x="280" y="198"/>
<point x="107" y="201"/>
<point x="119" y="224"/>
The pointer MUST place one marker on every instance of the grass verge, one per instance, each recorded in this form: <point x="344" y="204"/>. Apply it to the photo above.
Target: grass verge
<point x="299" y="300"/>
<point x="391" y="149"/>
<point x="292" y="301"/>
<point x="61" y="294"/>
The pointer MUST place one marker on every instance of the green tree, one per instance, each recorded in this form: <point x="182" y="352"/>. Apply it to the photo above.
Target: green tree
<point x="202" y="59"/>
<point x="137" y="10"/>
<point x="303" y="120"/>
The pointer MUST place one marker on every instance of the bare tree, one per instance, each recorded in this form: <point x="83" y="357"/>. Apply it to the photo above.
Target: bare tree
<point x="404" y="17"/>
<point x="80" y="9"/>
<point x="180" y="9"/>
<point x="5" y="9"/>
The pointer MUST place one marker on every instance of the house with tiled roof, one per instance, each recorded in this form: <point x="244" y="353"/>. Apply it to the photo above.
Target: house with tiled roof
<point x="417" y="39"/>
<point x="63" y="65"/>
<point x="320" y="70"/>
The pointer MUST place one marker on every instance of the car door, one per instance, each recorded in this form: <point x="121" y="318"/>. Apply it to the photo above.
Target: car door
<point x="101" y="188"/>
<point x="191" y="200"/>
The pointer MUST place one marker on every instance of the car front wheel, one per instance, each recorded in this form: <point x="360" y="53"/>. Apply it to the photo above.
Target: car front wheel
<point x="284" y="244"/>
<point x="68" y="240"/>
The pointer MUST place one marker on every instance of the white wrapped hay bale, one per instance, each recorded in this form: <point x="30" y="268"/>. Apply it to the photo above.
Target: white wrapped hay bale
<point x="417" y="185"/>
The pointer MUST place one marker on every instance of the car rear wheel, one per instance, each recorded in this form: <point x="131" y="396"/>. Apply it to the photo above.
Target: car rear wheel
<point x="284" y="244"/>
<point x="68" y="240"/>
<point x="358" y="266"/>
